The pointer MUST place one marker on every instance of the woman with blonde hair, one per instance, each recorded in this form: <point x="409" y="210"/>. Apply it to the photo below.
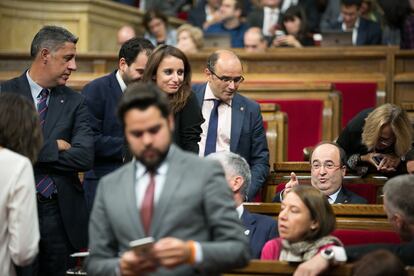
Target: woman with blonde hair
<point x="20" y="142"/>
<point x="378" y="140"/>
<point x="170" y="70"/>
<point x="189" y="39"/>
<point x="305" y="223"/>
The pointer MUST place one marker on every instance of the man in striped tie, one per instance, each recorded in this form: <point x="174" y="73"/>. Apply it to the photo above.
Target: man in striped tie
<point x="67" y="149"/>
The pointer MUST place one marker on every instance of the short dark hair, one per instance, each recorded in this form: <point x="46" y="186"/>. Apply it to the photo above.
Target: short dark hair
<point x="348" y="3"/>
<point x="320" y="210"/>
<point x="141" y="96"/>
<point x="342" y="153"/>
<point x="131" y="48"/>
<point x="52" y="38"/>
<point x="19" y="125"/>
<point x="152" y="14"/>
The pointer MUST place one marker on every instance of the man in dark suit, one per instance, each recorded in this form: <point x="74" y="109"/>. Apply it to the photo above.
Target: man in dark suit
<point x="259" y="228"/>
<point x="399" y="206"/>
<point x="204" y="14"/>
<point x="365" y="32"/>
<point x="101" y="97"/>
<point x="237" y="124"/>
<point x="328" y="167"/>
<point x="67" y="148"/>
<point x="179" y="199"/>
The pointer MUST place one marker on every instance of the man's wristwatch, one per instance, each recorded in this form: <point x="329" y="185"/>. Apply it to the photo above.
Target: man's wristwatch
<point x="328" y="254"/>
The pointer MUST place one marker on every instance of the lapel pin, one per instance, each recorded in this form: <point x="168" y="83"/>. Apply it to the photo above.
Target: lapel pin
<point x="62" y="101"/>
<point x="241" y="108"/>
<point x="247" y="232"/>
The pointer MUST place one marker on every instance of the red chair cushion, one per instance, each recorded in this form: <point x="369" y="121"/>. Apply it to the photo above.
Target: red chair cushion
<point x="304" y="124"/>
<point x="353" y="237"/>
<point x="355" y="98"/>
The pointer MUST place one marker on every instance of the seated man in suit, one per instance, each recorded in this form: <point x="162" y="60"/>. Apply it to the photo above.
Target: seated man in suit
<point x="230" y="12"/>
<point x="328" y="167"/>
<point x="178" y="198"/>
<point x="233" y="122"/>
<point x="399" y="206"/>
<point x="364" y="31"/>
<point x="254" y="41"/>
<point x="259" y="228"/>
<point x="267" y="17"/>
<point x="102" y="96"/>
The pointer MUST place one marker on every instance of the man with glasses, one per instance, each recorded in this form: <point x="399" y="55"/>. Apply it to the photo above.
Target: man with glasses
<point x="233" y="122"/>
<point x="327" y="171"/>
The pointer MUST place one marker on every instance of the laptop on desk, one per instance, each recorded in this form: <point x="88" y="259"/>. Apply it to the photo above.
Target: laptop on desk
<point x="219" y="40"/>
<point x="332" y="39"/>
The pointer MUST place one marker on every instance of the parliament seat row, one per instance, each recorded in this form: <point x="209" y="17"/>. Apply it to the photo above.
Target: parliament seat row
<point x="276" y="268"/>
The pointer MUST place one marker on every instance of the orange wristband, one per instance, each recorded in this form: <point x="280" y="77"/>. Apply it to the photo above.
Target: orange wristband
<point x="192" y="247"/>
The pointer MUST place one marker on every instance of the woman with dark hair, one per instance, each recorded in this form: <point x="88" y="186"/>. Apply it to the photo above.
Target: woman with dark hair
<point x="294" y="31"/>
<point x="157" y="29"/>
<point x="399" y="22"/>
<point x="169" y="68"/>
<point x="305" y="222"/>
<point x="20" y="142"/>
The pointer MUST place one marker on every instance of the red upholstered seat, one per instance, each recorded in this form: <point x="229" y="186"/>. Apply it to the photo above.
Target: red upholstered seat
<point x="304" y="124"/>
<point x="353" y="237"/>
<point x="355" y="98"/>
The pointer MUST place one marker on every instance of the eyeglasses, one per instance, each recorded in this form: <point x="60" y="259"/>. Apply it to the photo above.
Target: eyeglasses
<point x="228" y="80"/>
<point x="327" y="165"/>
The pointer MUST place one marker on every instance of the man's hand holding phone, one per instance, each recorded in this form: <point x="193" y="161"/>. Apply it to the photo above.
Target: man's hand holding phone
<point x="139" y="259"/>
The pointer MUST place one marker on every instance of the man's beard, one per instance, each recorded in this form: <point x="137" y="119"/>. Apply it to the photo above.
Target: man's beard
<point x="151" y="164"/>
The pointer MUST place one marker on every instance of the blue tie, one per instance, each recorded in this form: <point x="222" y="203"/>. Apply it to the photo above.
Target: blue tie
<point x="211" y="140"/>
<point x="44" y="184"/>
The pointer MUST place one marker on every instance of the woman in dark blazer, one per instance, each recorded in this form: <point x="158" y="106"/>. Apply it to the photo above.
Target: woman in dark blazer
<point x="169" y="68"/>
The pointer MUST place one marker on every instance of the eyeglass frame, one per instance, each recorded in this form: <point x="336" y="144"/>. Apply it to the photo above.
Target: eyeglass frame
<point x="328" y="165"/>
<point x="227" y="79"/>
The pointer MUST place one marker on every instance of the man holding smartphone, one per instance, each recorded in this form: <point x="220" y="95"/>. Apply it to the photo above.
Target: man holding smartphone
<point x="179" y="199"/>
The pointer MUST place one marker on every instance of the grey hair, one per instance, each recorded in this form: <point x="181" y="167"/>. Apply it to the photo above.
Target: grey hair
<point x="234" y="165"/>
<point x="52" y="38"/>
<point x="398" y="193"/>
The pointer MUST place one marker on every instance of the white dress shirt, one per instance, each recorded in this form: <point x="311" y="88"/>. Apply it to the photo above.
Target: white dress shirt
<point x="270" y="18"/>
<point x="120" y="81"/>
<point x="354" y="31"/>
<point x="19" y="226"/>
<point x="332" y="197"/>
<point x="224" y="123"/>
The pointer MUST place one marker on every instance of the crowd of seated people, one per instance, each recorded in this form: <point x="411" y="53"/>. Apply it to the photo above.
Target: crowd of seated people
<point x="165" y="123"/>
<point x="371" y="22"/>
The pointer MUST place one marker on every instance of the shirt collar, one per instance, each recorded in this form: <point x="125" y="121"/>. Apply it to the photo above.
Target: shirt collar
<point x="240" y="210"/>
<point x="209" y="95"/>
<point x="34" y="87"/>
<point x="333" y="196"/>
<point x="141" y="170"/>
<point x="270" y="10"/>
<point x="356" y="25"/>
<point x="120" y="81"/>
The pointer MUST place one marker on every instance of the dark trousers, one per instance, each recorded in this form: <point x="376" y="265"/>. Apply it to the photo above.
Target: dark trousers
<point x="89" y="187"/>
<point x="54" y="246"/>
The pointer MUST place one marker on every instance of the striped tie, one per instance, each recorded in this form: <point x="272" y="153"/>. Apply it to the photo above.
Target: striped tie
<point x="44" y="184"/>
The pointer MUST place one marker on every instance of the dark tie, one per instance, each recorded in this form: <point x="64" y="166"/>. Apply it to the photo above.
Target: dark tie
<point x="147" y="206"/>
<point x="44" y="184"/>
<point x="211" y="139"/>
<point x="42" y="106"/>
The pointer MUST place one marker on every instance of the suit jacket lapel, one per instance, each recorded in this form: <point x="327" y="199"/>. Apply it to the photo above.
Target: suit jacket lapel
<point x="24" y="87"/>
<point x="128" y="181"/>
<point x="361" y="33"/>
<point x="172" y="182"/>
<point x="200" y="92"/>
<point x="238" y="111"/>
<point x="55" y="109"/>
<point x="342" y="196"/>
<point x="115" y="84"/>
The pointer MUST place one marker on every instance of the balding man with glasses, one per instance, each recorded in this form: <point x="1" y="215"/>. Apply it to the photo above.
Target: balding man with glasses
<point x="232" y="122"/>
<point x="327" y="172"/>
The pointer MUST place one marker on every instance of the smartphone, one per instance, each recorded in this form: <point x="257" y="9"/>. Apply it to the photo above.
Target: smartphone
<point x="377" y="159"/>
<point x="142" y="247"/>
